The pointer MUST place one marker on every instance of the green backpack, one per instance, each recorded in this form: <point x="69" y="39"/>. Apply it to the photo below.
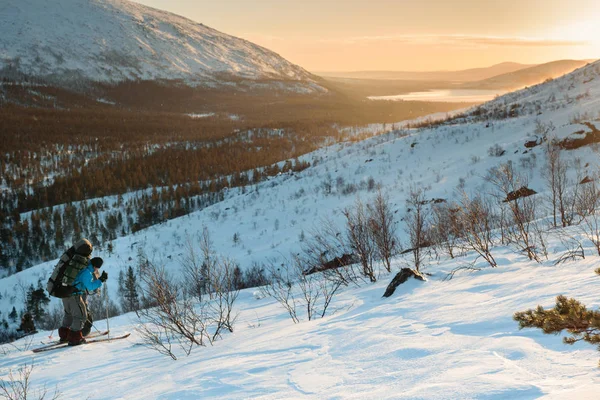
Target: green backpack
<point x="75" y="259"/>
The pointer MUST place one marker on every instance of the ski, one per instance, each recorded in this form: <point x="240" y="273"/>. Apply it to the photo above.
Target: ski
<point x="57" y="342"/>
<point x="90" y="341"/>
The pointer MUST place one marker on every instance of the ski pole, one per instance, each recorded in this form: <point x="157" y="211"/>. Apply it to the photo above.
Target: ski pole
<point x="98" y="330"/>
<point x="106" y="299"/>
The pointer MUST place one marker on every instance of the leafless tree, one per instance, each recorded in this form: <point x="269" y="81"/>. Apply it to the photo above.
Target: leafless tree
<point x="383" y="229"/>
<point x="587" y="205"/>
<point x="446" y="227"/>
<point x="316" y="290"/>
<point x="280" y="288"/>
<point x="18" y="387"/>
<point x="222" y="280"/>
<point x="174" y="317"/>
<point x="417" y="225"/>
<point x="521" y="208"/>
<point x="476" y="219"/>
<point x="360" y="238"/>
<point x="192" y="262"/>
<point x="574" y="249"/>
<point x="294" y="289"/>
<point x="323" y="243"/>
<point x="209" y="258"/>
<point x="555" y="173"/>
<point x="174" y="314"/>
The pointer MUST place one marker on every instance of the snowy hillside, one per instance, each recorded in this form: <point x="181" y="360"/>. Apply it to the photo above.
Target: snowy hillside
<point x="434" y="340"/>
<point x="115" y="40"/>
<point x="431" y="340"/>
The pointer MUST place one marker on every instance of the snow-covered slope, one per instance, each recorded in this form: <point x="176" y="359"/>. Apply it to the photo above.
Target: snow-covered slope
<point x="114" y="40"/>
<point x="436" y="340"/>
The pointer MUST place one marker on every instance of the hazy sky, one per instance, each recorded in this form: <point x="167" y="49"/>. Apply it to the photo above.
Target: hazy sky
<point x="350" y="35"/>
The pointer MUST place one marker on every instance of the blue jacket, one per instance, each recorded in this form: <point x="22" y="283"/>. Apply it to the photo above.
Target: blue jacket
<point x="85" y="281"/>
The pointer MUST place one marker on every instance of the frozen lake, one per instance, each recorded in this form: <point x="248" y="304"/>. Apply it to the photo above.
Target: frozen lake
<point x="446" y="95"/>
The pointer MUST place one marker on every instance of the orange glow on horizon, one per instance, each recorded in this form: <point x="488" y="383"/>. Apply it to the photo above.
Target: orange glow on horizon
<point x="323" y="35"/>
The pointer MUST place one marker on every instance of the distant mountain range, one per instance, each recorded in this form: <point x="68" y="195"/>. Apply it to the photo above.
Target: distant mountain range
<point x="74" y="41"/>
<point x="508" y="75"/>
<point x="467" y="75"/>
<point x="527" y="76"/>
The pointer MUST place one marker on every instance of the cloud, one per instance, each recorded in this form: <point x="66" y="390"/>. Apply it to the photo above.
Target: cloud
<point x="462" y="40"/>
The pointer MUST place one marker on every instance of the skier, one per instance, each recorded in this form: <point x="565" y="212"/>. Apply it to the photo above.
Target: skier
<point x="75" y="305"/>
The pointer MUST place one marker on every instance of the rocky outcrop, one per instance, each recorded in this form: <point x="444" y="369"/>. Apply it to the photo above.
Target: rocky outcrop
<point x="400" y="278"/>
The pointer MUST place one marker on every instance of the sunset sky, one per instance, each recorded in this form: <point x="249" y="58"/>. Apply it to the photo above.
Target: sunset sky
<point x="352" y="35"/>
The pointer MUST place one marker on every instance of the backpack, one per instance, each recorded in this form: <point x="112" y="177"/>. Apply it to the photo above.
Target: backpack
<point x="75" y="259"/>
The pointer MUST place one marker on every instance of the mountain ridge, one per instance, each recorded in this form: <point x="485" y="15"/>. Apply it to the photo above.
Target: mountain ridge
<point x="116" y="40"/>
<point x="528" y="76"/>
<point x="440" y="75"/>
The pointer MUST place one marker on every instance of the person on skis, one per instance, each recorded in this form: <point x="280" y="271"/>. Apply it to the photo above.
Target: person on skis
<point x="76" y="314"/>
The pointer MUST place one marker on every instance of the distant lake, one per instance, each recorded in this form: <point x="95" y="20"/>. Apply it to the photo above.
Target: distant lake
<point x="446" y="95"/>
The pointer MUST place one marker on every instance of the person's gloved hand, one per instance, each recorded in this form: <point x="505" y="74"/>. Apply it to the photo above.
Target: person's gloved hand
<point x="103" y="277"/>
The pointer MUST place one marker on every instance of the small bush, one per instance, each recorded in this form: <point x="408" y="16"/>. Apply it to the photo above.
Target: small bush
<point x="496" y="151"/>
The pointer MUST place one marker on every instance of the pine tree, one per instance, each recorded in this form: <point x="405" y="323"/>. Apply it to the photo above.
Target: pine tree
<point x="131" y="300"/>
<point x="36" y="300"/>
<point x="121" y="288"/>
<point x="569" y="315"/>
<point x="238" y="278"/>
<point x="13" y="315"/>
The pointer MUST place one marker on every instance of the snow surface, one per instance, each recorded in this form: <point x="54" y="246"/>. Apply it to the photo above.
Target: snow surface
<point x="435" y="340"/>
<point x="431" y="340"/>
<point x="115" y="40"/>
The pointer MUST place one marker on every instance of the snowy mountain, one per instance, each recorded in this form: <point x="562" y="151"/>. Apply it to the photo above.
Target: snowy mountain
<point x="115" y="40"/>
<point x="527" y="76"/>
<point x="438" y="339"/>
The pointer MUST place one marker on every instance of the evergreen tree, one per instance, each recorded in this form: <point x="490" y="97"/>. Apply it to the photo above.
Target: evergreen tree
<point x="238" y="278"/>
<point x="130" y="298"/>
<point x="13" y="315"/>
<point x="36" y="301"/>
<point x="121" y="288"/>
<point x="569" y="315"/>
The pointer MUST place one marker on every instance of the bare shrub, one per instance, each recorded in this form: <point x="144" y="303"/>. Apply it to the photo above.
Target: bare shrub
<point x="323" y="243"/>
<point x="446" y="227"/>
<point x="417" y="226"/>
<point x="574" y="249"/>
<point x="383" y="229"/>
<point x="295" y="290"/>
<point x="194" y="268"/>
<point x="360" y="238"/>
<point x="172" y="317"/>
<point x="18" y="387"/>
<point x="587" y="205"/>
<point x="476" y="220"/>
<point x="220" y="310"/>
<point x="175" y="316"/>
<point x="555" y="174"/>
<point x="496" y="151"/>
<point x="281" y="288"/>
<point x="521" y="209"/>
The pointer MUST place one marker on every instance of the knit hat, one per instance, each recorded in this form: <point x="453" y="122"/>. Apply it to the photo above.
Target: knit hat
<point x="97" y="262"/>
